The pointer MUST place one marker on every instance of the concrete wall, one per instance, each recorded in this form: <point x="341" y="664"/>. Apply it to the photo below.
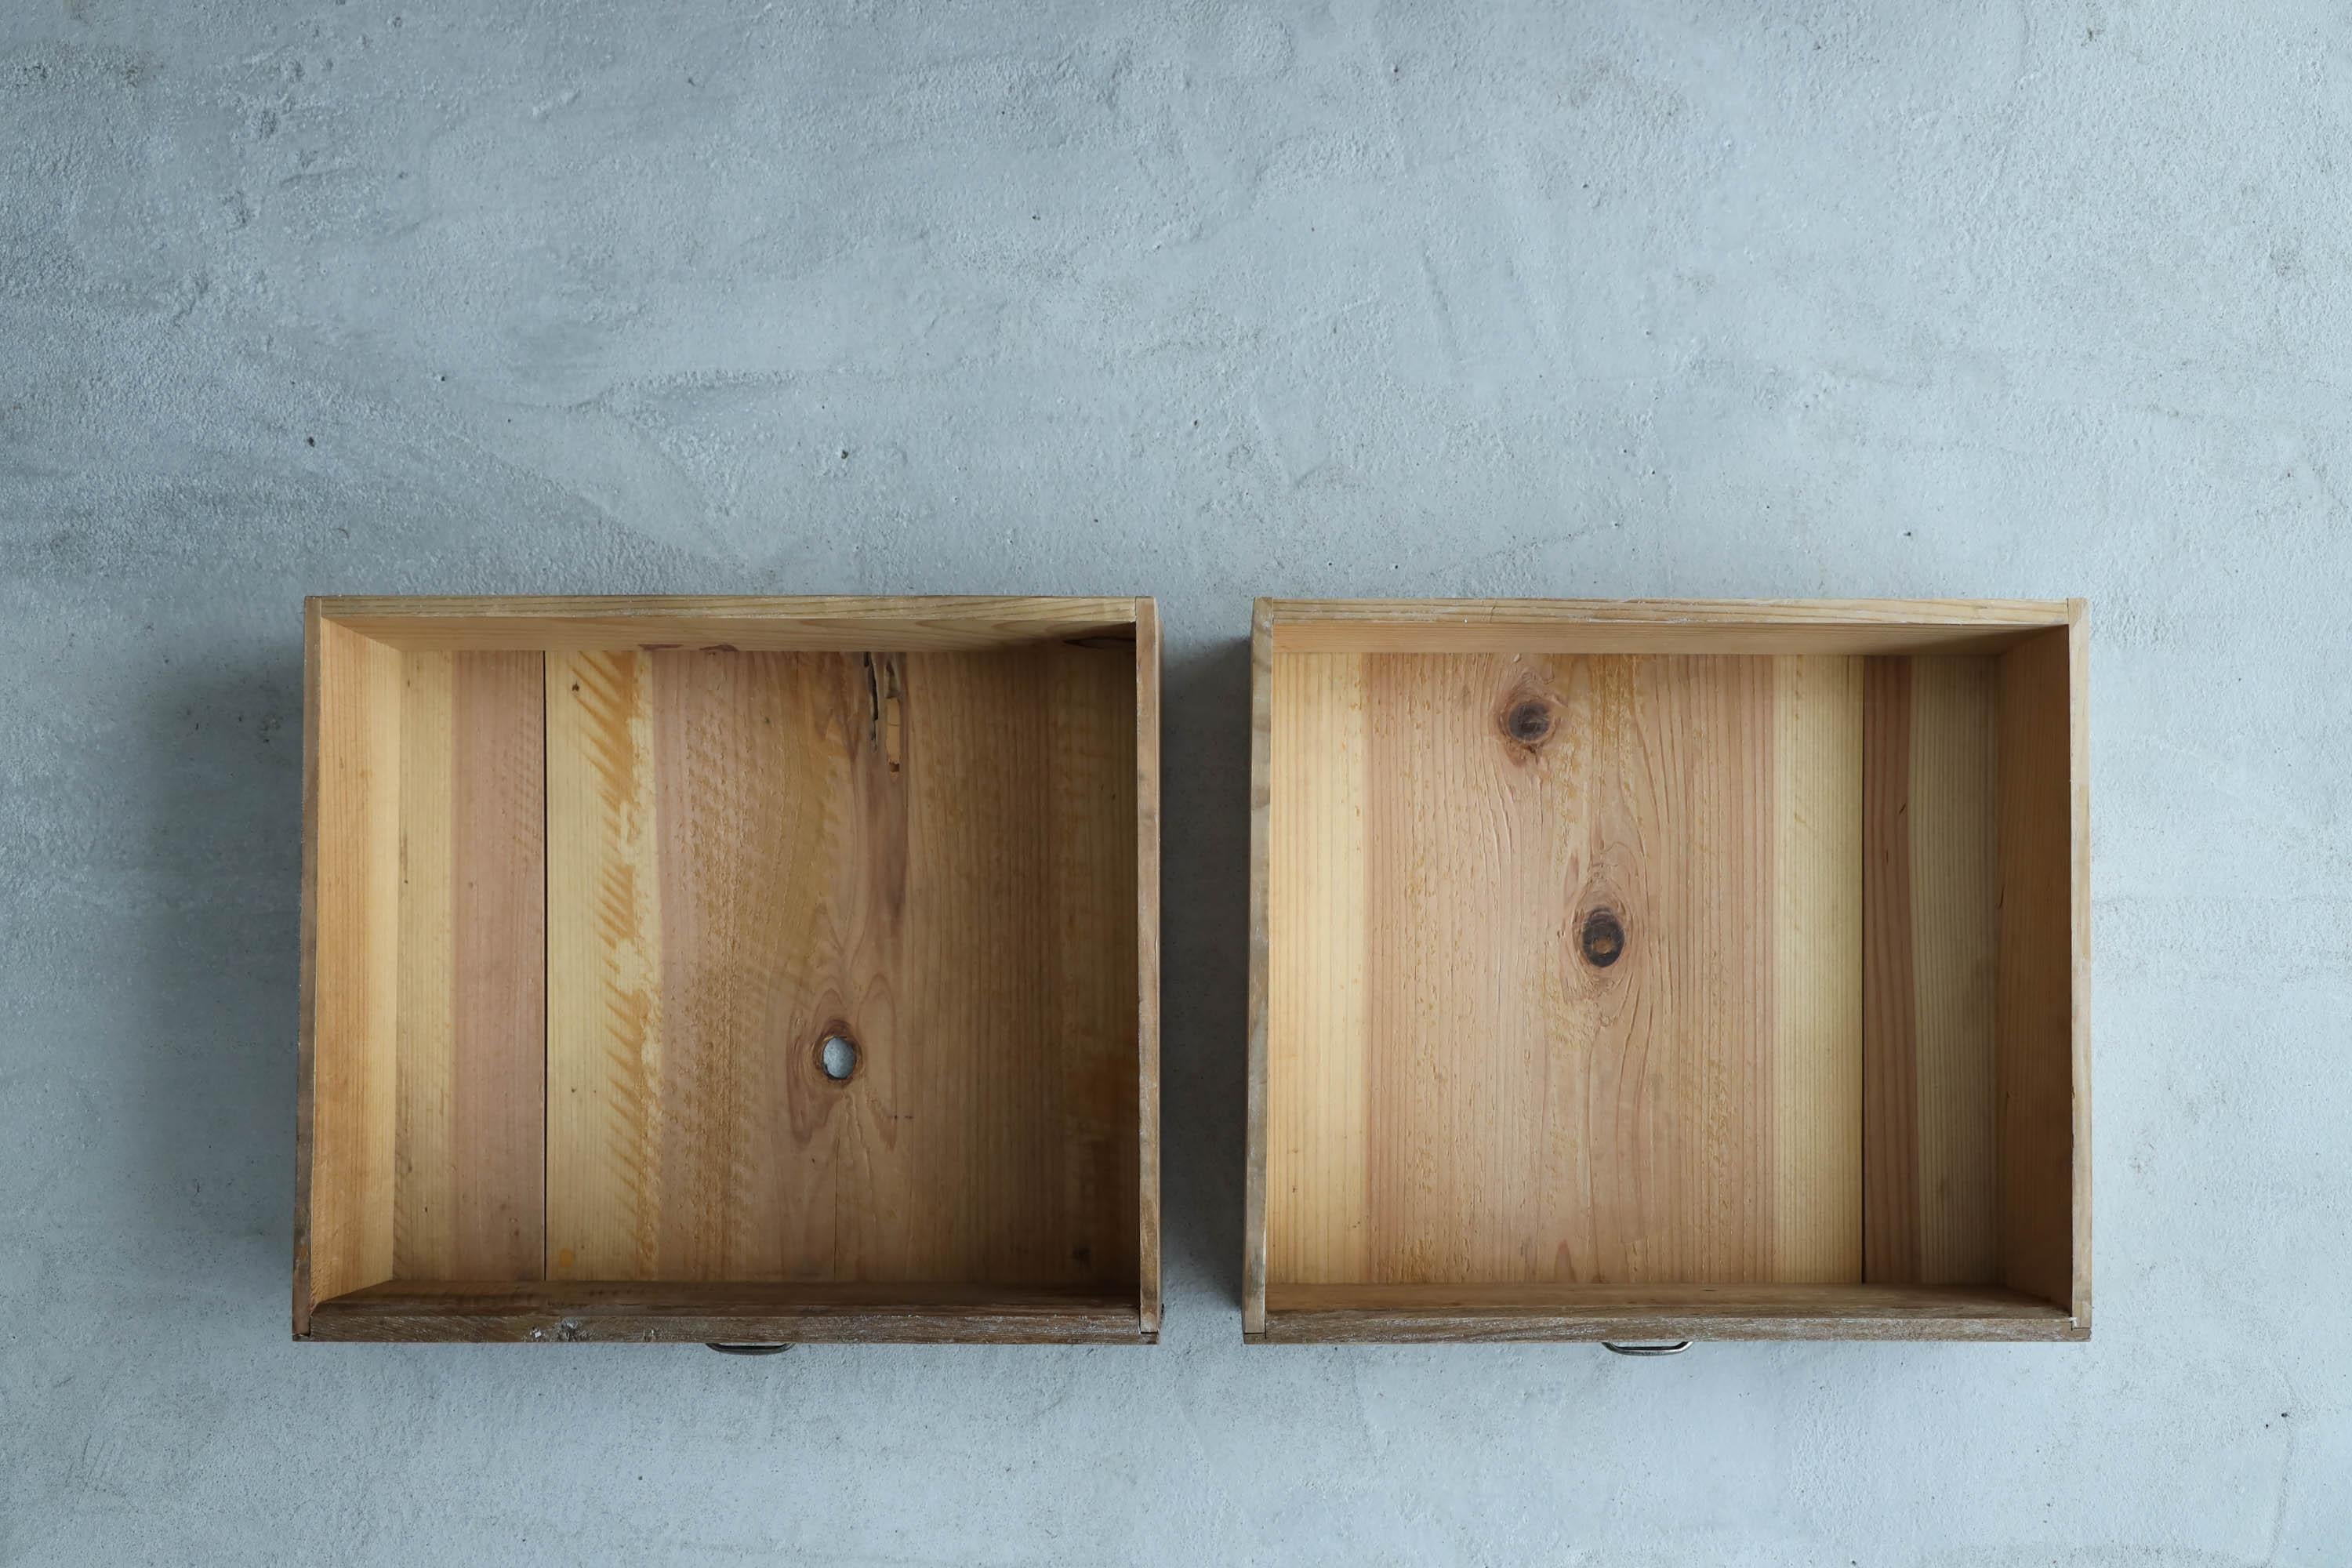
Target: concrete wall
<point x="1204" y="300"/>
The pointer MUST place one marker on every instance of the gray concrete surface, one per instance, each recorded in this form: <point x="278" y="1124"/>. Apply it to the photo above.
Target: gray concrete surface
<point x="1205" y="301"/>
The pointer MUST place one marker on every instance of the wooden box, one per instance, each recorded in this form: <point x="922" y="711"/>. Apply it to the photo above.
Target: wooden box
<point x="1669" y="970"/>
<point x="729" y="969"/>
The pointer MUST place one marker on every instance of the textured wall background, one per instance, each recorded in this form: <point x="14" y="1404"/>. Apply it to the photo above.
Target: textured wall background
<point x="1204" y="300"/>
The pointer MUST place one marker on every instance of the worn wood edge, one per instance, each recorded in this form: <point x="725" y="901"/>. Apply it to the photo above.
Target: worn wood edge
<point x="639" y="1313"/>
<point x="1254" y="1234"/>
<point x="1301" y="1314"/>
<point x="306" y="1007"/>
<point x="1111" y="1326"/>
<point x="1508" y="1326"/>
<point x="2023" y="614"/>
<point x="1756" y="1298"/>
<point x="2078" y="724"/>
<point x="1147" y="893"/>
<point x="1660" y="625"/>
<point x="814" y="622"/>
<point x="2039" y="1069"/>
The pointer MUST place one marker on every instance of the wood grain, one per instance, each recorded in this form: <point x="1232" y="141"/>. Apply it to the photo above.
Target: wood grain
<point x="1530" y="627"/>
<point x="1147" y="976"/>
<point x="2078" y="934"/>
<point x="1301" y="1314"/>
<point x="934" y="854"/>
<point x="1687" y="1111"/>
<point x="586" y="882"/>
<point x="471" y="1017"/>
<point x="753" y="624"/>
<point x="1318" y="996"/>
<point x="674" y="1312"/>
<point x="307" y="994"/>
<point x="604" y="948"/>
<point x="1256" y="1153"/>
<point x="1932" y="899"/>
<point x="1959" y="782"/>
<point x="349" y="1052"/>
<point x="1814" y="1080"/>
<point x="2043" y="1063"/>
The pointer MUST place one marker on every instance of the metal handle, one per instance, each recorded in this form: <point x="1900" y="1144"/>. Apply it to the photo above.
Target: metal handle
<point x="726" y="1349"/>
<point x="1675" y="1348"/>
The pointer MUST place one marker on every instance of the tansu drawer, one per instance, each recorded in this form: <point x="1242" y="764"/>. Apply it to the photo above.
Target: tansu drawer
<point x="729" y="969"/>
<point x="1669" y="970"/>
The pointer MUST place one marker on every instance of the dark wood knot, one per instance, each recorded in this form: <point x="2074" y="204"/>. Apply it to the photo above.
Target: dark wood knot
<point x="1602" y="940"/>
<point x="1528" y="723"/>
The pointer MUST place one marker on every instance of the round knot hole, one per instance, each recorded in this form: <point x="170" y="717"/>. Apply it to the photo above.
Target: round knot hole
<point x="836" y="1058"/>
<point x="1602" y="939"/>
<point x="1528" y="723"/>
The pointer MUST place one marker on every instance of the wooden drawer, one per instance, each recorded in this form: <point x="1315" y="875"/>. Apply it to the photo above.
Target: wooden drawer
<point x="729" y="969"/>
<point x="1674" y="970"/>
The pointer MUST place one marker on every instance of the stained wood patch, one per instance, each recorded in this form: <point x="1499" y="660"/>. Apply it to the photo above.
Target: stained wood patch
<point x="1932" y="901"/>
<point x="2042" y="1056"/>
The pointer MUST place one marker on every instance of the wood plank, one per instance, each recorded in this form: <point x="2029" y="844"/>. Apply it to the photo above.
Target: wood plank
<point x="1706" y="1109"/>
<point x="2043" y="1059"/>
<point x="2080" y="945"/>
<point x="352" y="741"/>
<point x="1147" y="915"/>
<point x="740" y="1312"/>
<point x="499" y="966"/>
<point x="891" y="1189"/>
<point x="471" y="1028"/>
<point x="2078" y="931"/>
<point x="835" y="624"/>
<point x="1021" y="930"/>
<point x="1521" y="1313"/>
<point x="933" y="853"/>
<point x="1849" y="627"/>
<point x="1255" y="1241"/>
<point x="1683" y="1107"/>
<point x="713" y="818"/>
<point x="1468" y="853"/>
<point x="1815" y="1074"/>
<point x="603" y="957"/>
<point x="307" y="997"/>
<point x="426" y="1187"/>
<point x="1932" y="899"/>
<point x="1319" y="1083"/>
<point x="757" y="787"/>
<point x="1091" y="853"/>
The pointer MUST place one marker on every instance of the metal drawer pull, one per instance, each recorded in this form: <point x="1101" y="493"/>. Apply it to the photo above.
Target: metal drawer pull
<point x="725" y="1349"/>
<point x="1676" y="1347"/>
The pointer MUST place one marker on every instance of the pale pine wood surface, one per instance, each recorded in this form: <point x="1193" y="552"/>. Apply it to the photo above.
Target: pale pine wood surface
<point x="349" y="1017"/>
<point x="1691" y="1110"/>
<point x="1258" y="1068"/>
<point x="423" y="1042"/>
<point x="1318" y="1068"/>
